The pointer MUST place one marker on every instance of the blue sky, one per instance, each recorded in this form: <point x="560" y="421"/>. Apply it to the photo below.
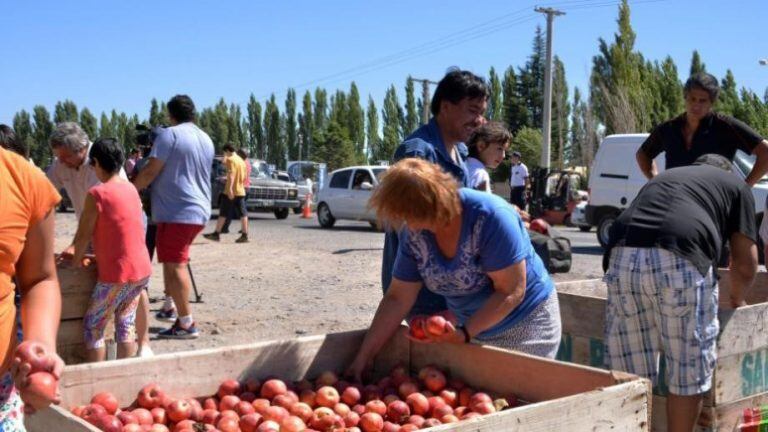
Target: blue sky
<point x="120" y="55"/>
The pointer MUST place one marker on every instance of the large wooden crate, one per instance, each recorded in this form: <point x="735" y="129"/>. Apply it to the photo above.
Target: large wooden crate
<point x="76" y="287"/>
<point x="741" y="375"/>
<point x="564" y="396"/>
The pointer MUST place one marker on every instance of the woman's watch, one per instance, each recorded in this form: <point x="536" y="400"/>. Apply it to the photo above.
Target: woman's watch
<point x="463" y="329"/>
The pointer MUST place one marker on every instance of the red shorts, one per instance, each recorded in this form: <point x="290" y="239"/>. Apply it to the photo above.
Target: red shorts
<point x="173" y="241"/>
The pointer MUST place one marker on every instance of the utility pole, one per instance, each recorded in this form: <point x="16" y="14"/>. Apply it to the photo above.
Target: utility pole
<point x="424" y="98"/>
<point x="547" y="120"/>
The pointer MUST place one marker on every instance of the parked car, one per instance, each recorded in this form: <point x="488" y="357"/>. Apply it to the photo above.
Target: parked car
<point x="579" y="217"/>
<point x="615" y="180"/>
<point x="345" y="195"/>
<point x="263" y="195"/>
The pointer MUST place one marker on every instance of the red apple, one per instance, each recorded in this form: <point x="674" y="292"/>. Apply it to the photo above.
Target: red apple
<point x="416" y="326"/>
<point x="302" y="411"/>
<point x="36" y="355"/>
<point x="371" y="422"/>
<point x="398" y="412"/>
<point x="435" y="325"/>
<point x="150" y="396"/>
<point x="244" y="408"/>
<point x="376" y="406"/>
<point x="127" y="417"/>
<point x="390" y="427"/>
<point x="228" y="402"/>
<point x="179" y="410"/>
<point x="327" y="396"/>
<point x="272" y="388"/>
<point x="434" y="380"/>
<point x="292" y="424"/>
<point x="269" y="426"/>
<point x="42" y="390"/>
<point x="110" y="423"/>
<point x="143" y="416"/>
<point x="352" y="419"/>
<point x="107" y="400"/>
<point x="228" y="387"/>
<point x="159" y="416"/>
<point x="260" y="405"/>
<point x="228" y="424"/>
<point x="91" y="413"/>
<point x="351" y="395"/>
<point x="249" y="422"/>
<point x="326" y="378"/>
<point x="418" y="403"/>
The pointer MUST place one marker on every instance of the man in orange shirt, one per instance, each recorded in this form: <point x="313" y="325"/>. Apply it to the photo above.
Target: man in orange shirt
<point x="233" y="204"/>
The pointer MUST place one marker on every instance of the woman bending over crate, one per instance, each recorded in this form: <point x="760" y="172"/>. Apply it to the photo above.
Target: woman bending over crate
<point x="112" y="219"/>
<point x="471" y="248"/>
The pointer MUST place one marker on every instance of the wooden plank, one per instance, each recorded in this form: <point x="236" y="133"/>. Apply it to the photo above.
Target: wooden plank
<point x="57" y="418"/>
<point x="621" y="407"/>
<point x="528" y="377"/>
<point x="582" y="315"/>
<point x="741" y="376"/>
<point x="76" y="287"/>
<point x="742" y="330"/>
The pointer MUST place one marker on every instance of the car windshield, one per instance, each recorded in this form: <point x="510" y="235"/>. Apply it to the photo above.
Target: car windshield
<point x="745" y="162"/>
<point x="378" y="172"/>
<point x="259" y="170"/>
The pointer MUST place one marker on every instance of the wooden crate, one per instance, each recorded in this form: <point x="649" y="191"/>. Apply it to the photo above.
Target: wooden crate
<point x="741" y="374"/>
<point x="565" y="396"/>
<point x="76" y="287"/>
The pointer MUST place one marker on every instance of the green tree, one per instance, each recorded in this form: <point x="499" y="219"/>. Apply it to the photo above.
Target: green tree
<point x="234" y="125"/>
<point x="255" y="130"/>
<point x="577" y="137"/>
<point x="515" y="113"/>
<point x="696" y="64"/>
<point x="528" y="143"/>
<point x="561" y="110"/>
<point x="336" y="148"/>
<point x="158" y="113"/>
<point x="105" y="126"/>
<point x="495" y="104"/>
<point x="42" y="130"/>
<point x="531" y="80"/>
<point x="65" y="111"/>
<point x="307" y="124"/>
<point x="391" y="114"/>
<point x="291" y="140"/>
<point x="22" y="126"/>
<point x="321" y="108"/>
<point x="411" y="113"/>
<point x="621" y="94"/>
<point x="728" y="102"/>
<point x="273" y="134"/>
<point x="372" y="131"/>
<point x="339" y="110"/>
<point x="671" y="90"/>
<point x="356" y="123"/>
<point x="89" y="123"/>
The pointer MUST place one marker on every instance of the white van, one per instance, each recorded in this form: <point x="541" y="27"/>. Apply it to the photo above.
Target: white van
<point x="615" y="180"/>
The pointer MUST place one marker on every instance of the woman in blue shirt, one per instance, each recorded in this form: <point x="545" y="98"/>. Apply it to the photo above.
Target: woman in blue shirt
<point x="470" y="247"/>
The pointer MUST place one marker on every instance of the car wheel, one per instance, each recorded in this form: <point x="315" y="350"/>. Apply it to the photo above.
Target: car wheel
<point x="281" y="213"/>
<point x="324" y="216"/>
<point x="604" y="229"/>
<point x="585" y="228"/>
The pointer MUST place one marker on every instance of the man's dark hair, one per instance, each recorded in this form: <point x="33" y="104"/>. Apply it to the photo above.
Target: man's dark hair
<point x="715" y="160"/>
<point x="703" y="81"/>
<point x="243" y="153"/>
<point x="109" y="153"/>
<point x="182" y="109"/>
<point x="8" y="141"/>
<point x="489" y="133"/>
<point x="457" y="85"/>
<point x="229" y="148"/>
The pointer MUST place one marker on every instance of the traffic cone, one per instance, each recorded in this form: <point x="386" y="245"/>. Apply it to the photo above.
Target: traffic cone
<point x="307" y="210"/>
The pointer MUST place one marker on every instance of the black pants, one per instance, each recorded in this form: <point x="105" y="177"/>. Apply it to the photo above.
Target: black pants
<point x="517" y="196"/>
<point x="150" y="239"/>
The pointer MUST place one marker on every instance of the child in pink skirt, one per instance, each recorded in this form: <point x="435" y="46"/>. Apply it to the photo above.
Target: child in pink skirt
<point x="112" y="220"/>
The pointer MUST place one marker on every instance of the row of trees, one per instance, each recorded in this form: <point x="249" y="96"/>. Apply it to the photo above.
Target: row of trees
<point x="627" y="93"/>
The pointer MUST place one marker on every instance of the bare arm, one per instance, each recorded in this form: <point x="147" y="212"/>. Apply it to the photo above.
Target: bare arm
<point x="743" y="267"/>
<point x="85" y="229"/>
<point x="509" y="285"/>
<point x="393" y="308"/>
<point x="647" y="165"/>
<point x="761" y="164"/>
<point x="148" y="174"/>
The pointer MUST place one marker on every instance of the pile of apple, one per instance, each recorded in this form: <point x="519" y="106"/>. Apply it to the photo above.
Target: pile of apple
<point x="396" y="403"/>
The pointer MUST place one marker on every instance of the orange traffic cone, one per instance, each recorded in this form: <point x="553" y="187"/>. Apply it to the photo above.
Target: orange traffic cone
<point x="307" y="210"/>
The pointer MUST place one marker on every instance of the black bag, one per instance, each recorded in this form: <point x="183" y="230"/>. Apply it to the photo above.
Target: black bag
<point x="554" y="250"/>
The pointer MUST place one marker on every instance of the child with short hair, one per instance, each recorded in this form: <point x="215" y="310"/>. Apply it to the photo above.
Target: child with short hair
<point x="112" y="220"/>
<point x="487" y="147"/>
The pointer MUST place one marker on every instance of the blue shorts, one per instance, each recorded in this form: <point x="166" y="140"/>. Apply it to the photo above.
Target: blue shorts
<point x="660" y="304"/>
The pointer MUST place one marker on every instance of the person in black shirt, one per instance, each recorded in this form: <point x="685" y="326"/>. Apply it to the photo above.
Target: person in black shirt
<point x="699" y="131"/>
<point x="662" y="286"/>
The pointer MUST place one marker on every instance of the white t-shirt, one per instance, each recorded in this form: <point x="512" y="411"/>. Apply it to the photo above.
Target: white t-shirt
<point x="478" y="175"/>
<point x="518" y="175"/>
<point x="76" y="182"/>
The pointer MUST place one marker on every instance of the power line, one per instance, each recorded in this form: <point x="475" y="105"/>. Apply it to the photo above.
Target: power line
<point x="465" y="35"/>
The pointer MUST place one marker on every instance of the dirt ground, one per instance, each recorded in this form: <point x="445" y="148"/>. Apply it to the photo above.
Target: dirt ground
<point x="292" y="279"/>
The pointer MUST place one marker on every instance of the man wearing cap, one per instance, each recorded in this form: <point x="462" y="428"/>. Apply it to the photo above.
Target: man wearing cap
<point x="518" y="181"/>
<point x="662" y="285"/>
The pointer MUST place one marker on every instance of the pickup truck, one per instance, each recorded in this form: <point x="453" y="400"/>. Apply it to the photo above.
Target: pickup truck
<point x="264" y="194"/>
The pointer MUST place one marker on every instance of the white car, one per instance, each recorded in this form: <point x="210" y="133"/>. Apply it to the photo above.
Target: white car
<point x="345" y="195"/>
<point x="579" y="217"/>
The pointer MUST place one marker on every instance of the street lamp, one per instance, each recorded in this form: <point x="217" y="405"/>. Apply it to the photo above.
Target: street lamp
<point x="764" y="61"/>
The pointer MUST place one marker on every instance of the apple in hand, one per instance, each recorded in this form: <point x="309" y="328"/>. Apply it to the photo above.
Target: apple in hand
<point x="36" y="355"/>
<point x="41" y="390"/>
